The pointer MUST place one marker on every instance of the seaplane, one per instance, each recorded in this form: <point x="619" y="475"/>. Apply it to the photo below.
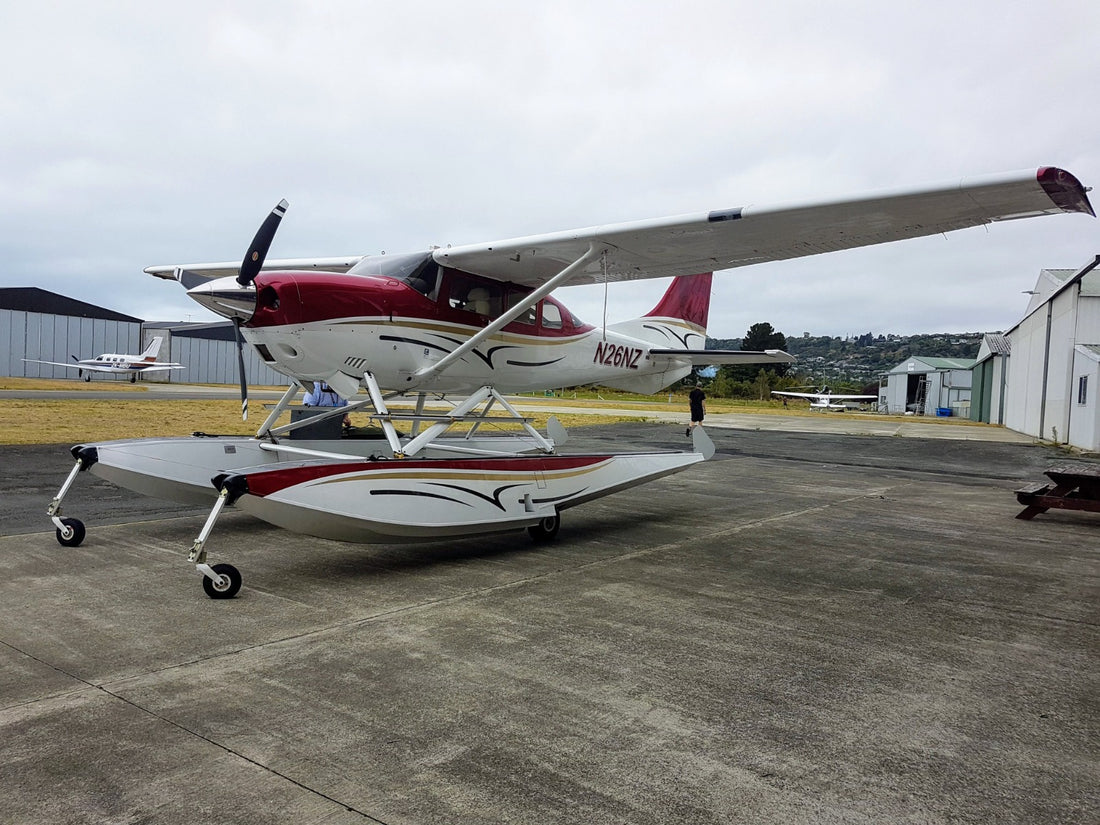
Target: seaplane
<point x="469" y="325"/>
<point x="825" y="399"/>
<point x="118" y="363"/>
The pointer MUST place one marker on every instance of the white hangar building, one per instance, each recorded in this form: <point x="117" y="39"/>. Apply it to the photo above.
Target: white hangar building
<point x="41" y="325"/>
<point x="928" y="386"/>
<point x="1050" y="377"/>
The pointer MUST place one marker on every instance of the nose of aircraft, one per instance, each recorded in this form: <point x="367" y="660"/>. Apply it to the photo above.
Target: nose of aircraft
<point x="226" y="297"/>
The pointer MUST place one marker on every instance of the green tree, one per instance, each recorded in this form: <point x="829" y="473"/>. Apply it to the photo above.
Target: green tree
<point x="759" y="337"/>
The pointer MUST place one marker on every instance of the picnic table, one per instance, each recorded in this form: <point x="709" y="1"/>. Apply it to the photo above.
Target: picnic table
<point x="1075" y="487"/>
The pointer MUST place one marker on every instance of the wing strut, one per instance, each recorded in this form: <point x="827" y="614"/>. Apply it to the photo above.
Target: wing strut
<point x="509" y="316"/>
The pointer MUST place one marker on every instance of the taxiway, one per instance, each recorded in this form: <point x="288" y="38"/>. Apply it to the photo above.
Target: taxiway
<point x="810" y="627"/>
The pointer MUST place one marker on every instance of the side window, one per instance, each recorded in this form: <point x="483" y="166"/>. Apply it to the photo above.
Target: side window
<point x="1082" y="389"/>
<point x="551" y="316"/>
<point x="459" y="292"/>
<point x="480" y="297"/>
<point x="513" y="297"/>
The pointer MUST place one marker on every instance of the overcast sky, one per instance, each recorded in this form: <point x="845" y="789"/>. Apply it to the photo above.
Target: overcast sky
<point x="138" y="133"/>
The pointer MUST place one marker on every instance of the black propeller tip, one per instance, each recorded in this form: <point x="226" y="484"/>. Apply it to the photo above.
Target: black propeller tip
<point x="254" y="259"/>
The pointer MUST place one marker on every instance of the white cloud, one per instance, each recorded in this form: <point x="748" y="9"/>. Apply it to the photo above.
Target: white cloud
<point x="138" y="134"/>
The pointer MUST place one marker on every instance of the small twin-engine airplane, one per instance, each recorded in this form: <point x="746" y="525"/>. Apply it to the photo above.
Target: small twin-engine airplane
<point x="118" y="363"/>
<point x="480" y="321"/>
<point x="825" y="399"/>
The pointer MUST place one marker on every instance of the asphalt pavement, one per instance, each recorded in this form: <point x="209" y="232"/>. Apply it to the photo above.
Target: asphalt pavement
<point x="811" y="627"/>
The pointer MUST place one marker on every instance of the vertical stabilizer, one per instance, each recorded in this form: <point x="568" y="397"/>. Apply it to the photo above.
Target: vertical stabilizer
<point x="686" y="299"/>
<point x="152" y="350"/>
<point x="679" y="321"/>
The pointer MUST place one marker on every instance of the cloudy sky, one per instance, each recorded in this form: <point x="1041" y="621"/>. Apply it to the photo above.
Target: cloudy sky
<point x="137" y="133"/>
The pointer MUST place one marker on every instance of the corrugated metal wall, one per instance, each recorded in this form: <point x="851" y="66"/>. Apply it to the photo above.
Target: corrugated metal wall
<point x="45" y="337"/>
<point x="58" y="337"/>
<point x="215" y="362"/>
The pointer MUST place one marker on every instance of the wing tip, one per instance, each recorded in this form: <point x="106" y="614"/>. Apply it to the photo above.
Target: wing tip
<point x="1064" y="190"/>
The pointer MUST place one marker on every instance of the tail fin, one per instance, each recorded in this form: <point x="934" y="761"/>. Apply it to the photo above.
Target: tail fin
<point x="151" y="351"/>
<point x="686" y="299"/>
<point x="679" y="321"/>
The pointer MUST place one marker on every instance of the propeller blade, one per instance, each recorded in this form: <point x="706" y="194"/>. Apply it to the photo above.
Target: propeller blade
<point x="240" y="368"/>
<point x="254" y="260"/>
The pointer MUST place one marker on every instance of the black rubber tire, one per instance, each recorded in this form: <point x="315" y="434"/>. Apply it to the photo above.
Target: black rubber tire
<point x="76" y="533"/>
<point x="231" y="575"/>
<point x="546" y="529"/>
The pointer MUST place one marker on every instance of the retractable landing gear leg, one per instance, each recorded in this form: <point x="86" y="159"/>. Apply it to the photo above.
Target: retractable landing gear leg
<point x="220" y="581"/>
<point x="70" y="531"/>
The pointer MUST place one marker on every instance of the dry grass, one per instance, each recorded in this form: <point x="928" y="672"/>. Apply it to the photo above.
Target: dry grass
<point x="51" y="421"/>
<point x="72" y="421"/>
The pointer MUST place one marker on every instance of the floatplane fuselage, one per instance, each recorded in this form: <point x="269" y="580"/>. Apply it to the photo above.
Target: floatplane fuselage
<point x="479" y="320"/>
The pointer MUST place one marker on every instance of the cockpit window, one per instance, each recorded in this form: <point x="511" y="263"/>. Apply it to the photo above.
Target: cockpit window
<point x="551" y="316"/>
<point x="417" y="269"/>
<point x="425" y="279"/>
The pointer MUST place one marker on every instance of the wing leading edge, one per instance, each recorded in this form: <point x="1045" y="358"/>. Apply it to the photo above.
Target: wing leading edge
<point x="730" y="238"/>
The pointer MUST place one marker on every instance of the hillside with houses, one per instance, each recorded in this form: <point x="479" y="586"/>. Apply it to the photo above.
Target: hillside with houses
<point x="861" y="359"/>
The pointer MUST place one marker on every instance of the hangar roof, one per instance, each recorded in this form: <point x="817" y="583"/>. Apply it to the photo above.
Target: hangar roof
<point x="1052" y="281"/>
<point x="933" y="364"/>
<point x="994" y="343"/>
<point x="33" y="299"/>
<point x="1091" y="350"/>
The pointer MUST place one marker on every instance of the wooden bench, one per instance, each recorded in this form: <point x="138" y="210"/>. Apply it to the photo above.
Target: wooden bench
<point x="1075" y="487"/>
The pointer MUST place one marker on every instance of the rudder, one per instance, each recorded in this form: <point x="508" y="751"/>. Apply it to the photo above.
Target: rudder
<point x="686" y="299"/>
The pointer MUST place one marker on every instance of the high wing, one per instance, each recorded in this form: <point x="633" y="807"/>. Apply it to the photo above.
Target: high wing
<point x="826" y="396"/>
<point x="709" y="357"/>
<point x="729" y="238"/>
<point x="193" y="274"/>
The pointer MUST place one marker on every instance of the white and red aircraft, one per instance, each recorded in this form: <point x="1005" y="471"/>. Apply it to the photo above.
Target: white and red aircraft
<point x="825" y="399"/>
<point x="480" y="320"/>
<point x="118" y="363"/>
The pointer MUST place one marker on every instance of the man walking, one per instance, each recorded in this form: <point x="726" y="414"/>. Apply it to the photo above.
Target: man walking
<point x="697" y="400"/>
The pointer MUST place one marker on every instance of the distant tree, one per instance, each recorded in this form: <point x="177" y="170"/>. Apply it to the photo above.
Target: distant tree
<point x="759" y="337"/>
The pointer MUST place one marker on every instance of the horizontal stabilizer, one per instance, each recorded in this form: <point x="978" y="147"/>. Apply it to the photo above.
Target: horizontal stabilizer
<point x="710" y="357"/>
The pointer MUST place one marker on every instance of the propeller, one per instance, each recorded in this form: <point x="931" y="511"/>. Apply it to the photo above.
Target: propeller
<point x="250" y="267"/>
<point x="240" y="368"/>
<point x="254" y="259"/>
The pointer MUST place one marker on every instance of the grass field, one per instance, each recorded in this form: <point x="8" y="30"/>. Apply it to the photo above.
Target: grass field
<point x="72" y="421"/>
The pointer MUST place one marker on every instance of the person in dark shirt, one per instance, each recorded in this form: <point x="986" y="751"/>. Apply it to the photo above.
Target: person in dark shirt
<point x="697" y="400"/>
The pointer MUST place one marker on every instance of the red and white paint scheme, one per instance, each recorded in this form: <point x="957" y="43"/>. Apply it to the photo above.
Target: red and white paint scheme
<point x="118" y="363"/>
<point x="459" y="318"/>
<point x="480" y="320"/>
<point x="467" y="495"/>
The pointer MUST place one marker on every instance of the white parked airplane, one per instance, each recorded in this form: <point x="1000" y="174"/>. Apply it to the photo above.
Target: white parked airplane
<point x="117" y="363"/>
<point x="479" y="320"/>
<point x="825" y="399"/>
